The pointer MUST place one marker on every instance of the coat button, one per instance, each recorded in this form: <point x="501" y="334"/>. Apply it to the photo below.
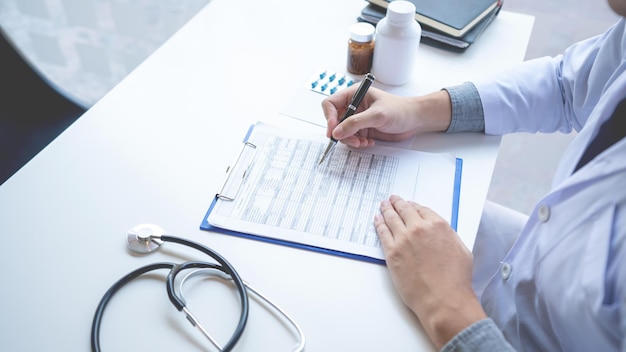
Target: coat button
<point x="505" y="271"/>
<point x="543" y="213"/>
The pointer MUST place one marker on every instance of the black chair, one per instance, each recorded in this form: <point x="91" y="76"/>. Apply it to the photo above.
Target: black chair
<point x="32" y="113"/>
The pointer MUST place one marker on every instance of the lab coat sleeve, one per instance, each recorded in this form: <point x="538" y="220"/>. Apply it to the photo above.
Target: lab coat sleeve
<point x="615" y="291"/>
<point x="551" y="94"/>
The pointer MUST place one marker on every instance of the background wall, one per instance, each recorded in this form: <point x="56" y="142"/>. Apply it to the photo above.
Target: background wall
<point x="85" y="47"/>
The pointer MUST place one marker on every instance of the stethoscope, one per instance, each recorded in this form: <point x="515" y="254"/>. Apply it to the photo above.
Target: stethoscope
<point x="148" y="238"/>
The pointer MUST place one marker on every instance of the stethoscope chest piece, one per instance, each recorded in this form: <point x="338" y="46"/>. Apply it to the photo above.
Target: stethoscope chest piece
<point x="144" y="238"/>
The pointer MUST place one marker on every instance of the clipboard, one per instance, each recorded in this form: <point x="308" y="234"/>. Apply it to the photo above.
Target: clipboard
<point x="241" y="170"/>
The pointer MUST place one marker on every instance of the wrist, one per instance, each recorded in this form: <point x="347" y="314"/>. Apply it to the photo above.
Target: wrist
<point x="434" y="111"/>
<point x="445" y="317"/>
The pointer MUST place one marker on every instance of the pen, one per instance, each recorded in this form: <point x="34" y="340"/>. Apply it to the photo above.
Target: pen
<point x="367" y="81"/>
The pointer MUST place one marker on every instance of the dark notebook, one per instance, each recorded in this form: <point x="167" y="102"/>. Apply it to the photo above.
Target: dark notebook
<point x="430" y="36"/>
<point x="452" y="17"/>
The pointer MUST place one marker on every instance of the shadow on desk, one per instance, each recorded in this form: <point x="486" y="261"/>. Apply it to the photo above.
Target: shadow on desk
<point x="32" y="113"/>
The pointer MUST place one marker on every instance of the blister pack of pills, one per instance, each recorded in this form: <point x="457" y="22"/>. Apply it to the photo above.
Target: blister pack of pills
<point x="328" y="82"/>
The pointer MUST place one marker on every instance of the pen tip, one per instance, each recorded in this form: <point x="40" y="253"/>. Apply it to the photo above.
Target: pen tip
<point x="327" y="151"/>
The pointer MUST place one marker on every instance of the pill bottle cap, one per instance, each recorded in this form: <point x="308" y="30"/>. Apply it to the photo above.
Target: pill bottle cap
<point x="400" y="11"/>
<point x="362" y="32"/>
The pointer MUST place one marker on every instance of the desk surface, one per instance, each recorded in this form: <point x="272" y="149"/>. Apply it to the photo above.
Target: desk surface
<point x="155" y="150"/>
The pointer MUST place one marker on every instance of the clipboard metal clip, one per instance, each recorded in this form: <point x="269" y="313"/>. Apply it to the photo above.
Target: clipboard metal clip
<point x="237" y="173"/>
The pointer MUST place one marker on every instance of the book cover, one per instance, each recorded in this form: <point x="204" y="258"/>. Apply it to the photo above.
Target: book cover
<point x="372" y="14"/>
<point x="453" y="17"/>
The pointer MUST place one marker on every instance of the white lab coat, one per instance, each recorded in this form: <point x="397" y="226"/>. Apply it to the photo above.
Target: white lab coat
<point x="561" y="284"/>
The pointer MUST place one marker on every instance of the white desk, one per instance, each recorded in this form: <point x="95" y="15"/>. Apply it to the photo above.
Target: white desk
<point x="155" y="149"/>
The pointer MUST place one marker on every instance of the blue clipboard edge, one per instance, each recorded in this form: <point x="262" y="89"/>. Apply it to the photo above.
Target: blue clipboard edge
<point x="208" y="227"/>
<point x="456" y="195"/>
<point x="245" y="139"/>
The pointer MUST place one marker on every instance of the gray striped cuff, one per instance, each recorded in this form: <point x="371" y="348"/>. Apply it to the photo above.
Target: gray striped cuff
<point x="467" y="109"/>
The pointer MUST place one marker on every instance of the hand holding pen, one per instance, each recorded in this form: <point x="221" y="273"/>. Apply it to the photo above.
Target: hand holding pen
<point x="366" y="82"/>
<point x="385" y="116"/>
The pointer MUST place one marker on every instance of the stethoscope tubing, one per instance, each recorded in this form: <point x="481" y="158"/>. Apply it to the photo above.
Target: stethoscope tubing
<point x="176" y="300"/>
<point x="262" y="299"/>
<point x="97" y="319"/>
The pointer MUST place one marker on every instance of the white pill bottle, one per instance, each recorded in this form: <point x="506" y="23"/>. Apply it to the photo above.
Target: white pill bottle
<point x="397" y="39"/>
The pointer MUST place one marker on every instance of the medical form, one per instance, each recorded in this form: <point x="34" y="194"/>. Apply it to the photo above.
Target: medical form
<point x="278" y="190"/>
